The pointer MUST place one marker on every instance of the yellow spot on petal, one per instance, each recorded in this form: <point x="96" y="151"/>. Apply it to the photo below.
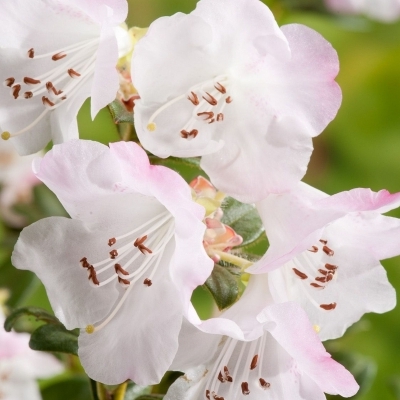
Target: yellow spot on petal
<point x="317" y="328"/>
<point x="151" y="127"/>
<point x="89" y="329"/>
<point x="5" y="135"/>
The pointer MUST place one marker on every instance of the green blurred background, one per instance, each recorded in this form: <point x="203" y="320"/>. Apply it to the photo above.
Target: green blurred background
<point x="360" y="148"/>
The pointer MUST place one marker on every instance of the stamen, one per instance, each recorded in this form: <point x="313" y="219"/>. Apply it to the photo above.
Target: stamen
<point x="313" y="284"/>
<point x="328" y="307"/>
<point x="194" y="99"/>
<point x="147" y="282"/>
<point x="227" y="374"/>
<point x="300" y="274"/>
<point x="113" y="254"/>
<point x="321" y="279"/>
<point x="31" y="53"/>
<point x="73" y="74"/>
<point x="141" y="247"/>
<point x="112" y="241"/>
<point x="254" y="362"/>
<point x="220" y="117"/>
<point x="16" y="90"/>
<point x="208" y="394"/>
<point x="58" y="56"/>
<point x="313" y="249"/>
<point x="28" y="95"/>
<point x="124" y="281"/>
<point x="328" y="251"/>
<point x="208" y="114"/>
<point x="187" y="135"/>
<point x="118" y="268"/>
<point x="9" y="81"/>
<point x="245" y="388"/>
<point x="331" y="267"/>
<point x="31" y="81"/>
<point x="85" y="263"/>
<point x="323" y="272"/>
<point x="93" y="275"/>
<point x="323" y="241"/>
<point x="229" y="99"/>
<point x="213" y="120"/>
<point x="220" y="88"/>
<point x="47" y="102"/>
<point x="212" y="100"/>
<point x="264" y="384"/>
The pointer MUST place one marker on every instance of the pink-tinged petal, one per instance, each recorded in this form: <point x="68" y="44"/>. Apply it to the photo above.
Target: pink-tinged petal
<point x="75" y="301"/>
<point x="293" y="331"/>
<point x="345" y="6"/>
<point x="250" y="170"/>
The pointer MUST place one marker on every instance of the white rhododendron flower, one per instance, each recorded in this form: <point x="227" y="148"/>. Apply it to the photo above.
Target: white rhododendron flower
<point x="53" y="56"/>
<point x="383" y="10"/>
<point x="325" y="251"/>
<point x="237" y="90"/>
<point x="284" y="360"/>
<point x="20" y="366"/>
<point x="17" y="181"/>
<point x="124" y="267"/>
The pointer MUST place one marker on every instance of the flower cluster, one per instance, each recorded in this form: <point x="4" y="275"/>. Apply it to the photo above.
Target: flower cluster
<point x="226" y="84"/>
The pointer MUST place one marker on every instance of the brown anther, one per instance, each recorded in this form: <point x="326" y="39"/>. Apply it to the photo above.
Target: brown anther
<point x="31" y="53"/>
<point x="321" y="279"/>
<point x="220" y="88"/>
<point x="31" y="81"/>
<point x="16" y="90"/>
<point x="85" y="263"/>
<point x="58" y="56"/>
<point x="300" y="274"/>
<point x="118" y="268"/>
<point x="64" y="98"/>
<point x="245" y="388"/>
<point x="93" y="275"/>
<point x="9" y="81"/>
<point x="323" y="241"/>
<point x="313" y="249"/>
<point x="264" y="384"/>
<point x="331" y="267"/>
<point x="28" y="95"/>
<point x="313" y="284"/>
<point x="147" y="282"/>
<point x="207" y="114"/>
<point x="49" y="85"/>
<point x="328" y="251"/>
<point x="220" y="117"/>
<point x="113" y="254"/>
<point x="220" y="377"/>
<point x="112" y="241"/>
<point x="229" y="99"/>
<point x="329" y="277"/>
<point x="139" y="244"/>
<point x="211" y="100"/>
<point x="208" y="394"/>
<point x="194" y="99"/>
<point x="216" y="397"/>
<point x="254" y="362"/>
<point x="323" y="272"/>
<point x="328" y="307"/>
<point x="47" y="102"/>
<point x="73" y="74"/>
<point x="184" y="134"/>
<point x="213" y="120"/>
<point x="124" y="281"/>
<point x="194" y="133"/>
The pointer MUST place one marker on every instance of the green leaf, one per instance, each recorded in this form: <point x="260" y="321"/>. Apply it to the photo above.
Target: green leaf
<point x="243" y="218"/>
<point x="39" y="313"/>
<point x="120" y="113"/>
<point x="223" y="286"/>
<point x="188" y="168"/>
<point x="54" y="338"/>
<point x="394" y="384"/>
<point x="76" y="388"/>
<point x="150" y="397"/>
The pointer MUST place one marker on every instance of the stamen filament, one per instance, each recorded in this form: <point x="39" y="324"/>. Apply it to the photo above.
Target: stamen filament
<point x="31" y="125"/>
<point x="232" y="259"/>
<point x="70" y="49"/>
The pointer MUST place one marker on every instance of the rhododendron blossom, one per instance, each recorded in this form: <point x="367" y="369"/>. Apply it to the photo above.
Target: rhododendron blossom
<point x="54" y="55"/>
<point x="238" y="91"/>
<point x="325" y="251"/>
<point x="284" y="359"/>
<point x="124" y="267"/>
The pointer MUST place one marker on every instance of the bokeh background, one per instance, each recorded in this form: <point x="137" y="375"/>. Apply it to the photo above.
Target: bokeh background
<point x="360" y="148"/>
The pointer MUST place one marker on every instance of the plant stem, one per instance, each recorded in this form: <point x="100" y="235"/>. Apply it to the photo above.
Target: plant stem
<point x="232" y="259"/>
<point x="119" y="393"/>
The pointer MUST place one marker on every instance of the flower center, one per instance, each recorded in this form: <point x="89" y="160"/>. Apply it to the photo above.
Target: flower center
<point x="313" y="271"/>
<point x="208" y="98"/>
<point x="237" y="370"/>
<point x="134" y="256"/>
<point x="67" y="70"/>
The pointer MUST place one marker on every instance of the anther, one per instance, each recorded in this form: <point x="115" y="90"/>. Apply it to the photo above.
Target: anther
<point x="31" y="53"/>
<point x="323" y="272"/>
<point x="113" y="254"/>
<point x="329" y="277"/>
<point x="254" y="362"/>
<point x="112" y="241"/>
<point x="208" y="114"/>
<point x="194" y="133"/>
<point x="220" y="88"/>
<point x="227" y="374"/>
<point x="213" y="120"/>
<point x="300" y="274"/>
<point x="321" y="279"/>
<point x="229" y="99"/>
<point x="84" y="262"/>
<point x="328" y="307"/>
<point x="220" y="377"/>
<point x="9" y="81"/>
<point x="194" y="99"/>
<point x="147" y="282"/>
<point x="73" y="74"/>
<point x="264" y="384"/>
<point x="124" y="281"/>
<point x="28" y="95"/>
<point x="211" y="100"/>
<point x="220" y="117"/>
<point x="47" y="102"/>
<point x="139" y="244"/>
<point x="313" y="249"/>
<point x="328" y="251"/>
<point x="331" y="267"/>
<point x="93" y="275"/>
<point x="16" y="90"/>
<point x="208" y="394"/>
<point x="64" y="97"/>
<point x="58" y="56"/>
<point x="5" y="135"/>
<point x="245" y="388"/>
<point x="118" y="268"/>
<point x="89" y="329"/>
<point x="313" y="284"/>
<point x="31" y="81"/>
<point x="323" y="241"/>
